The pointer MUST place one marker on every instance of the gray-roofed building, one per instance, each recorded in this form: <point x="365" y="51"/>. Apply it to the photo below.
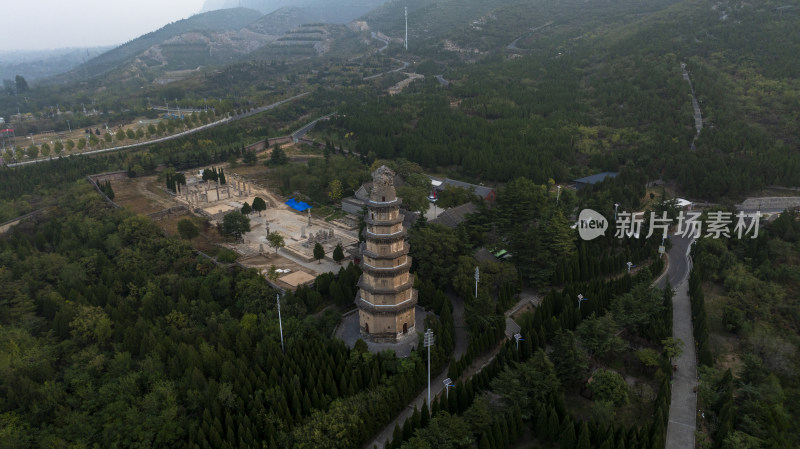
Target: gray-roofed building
<point x="455" y="215"/>
<point x="486" y="193"/>
<point x="593" y="179"/>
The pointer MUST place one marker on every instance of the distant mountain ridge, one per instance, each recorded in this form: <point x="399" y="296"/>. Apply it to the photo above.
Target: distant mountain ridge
<point x="331" y="11"/>
<point x="221" y="21"/>
<point x="37" y="64"/>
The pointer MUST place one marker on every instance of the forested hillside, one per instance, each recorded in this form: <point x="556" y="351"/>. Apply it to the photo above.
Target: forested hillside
<point x="747" y="321"/>
<point x="113" y="335"/>
<point x="593" y="87"/>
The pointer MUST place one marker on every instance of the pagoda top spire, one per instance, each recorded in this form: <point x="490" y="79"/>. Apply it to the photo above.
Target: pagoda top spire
<point x="383" y="185"/>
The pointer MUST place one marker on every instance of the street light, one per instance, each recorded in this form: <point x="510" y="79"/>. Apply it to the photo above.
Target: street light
<point x="428" y="342"/>
<point x="558" y="193"/>
<point x="580" y="300"/>
<point x="447" y="384"/>
<point x="519" y="338"/>
<point x="616" y="205"/>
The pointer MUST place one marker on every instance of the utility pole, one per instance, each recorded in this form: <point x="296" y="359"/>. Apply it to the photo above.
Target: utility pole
<point x="406" y="41"/>
<point x="280" y="324"/>
<point x="428" y="342"/>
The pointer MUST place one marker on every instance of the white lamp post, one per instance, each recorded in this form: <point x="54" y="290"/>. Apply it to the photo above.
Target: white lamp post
<point x="519" y="338"/>
<point x="447" y="384"/>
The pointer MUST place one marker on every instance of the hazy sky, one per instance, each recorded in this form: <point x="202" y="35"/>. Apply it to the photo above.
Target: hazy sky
<point x="39" y="24"/>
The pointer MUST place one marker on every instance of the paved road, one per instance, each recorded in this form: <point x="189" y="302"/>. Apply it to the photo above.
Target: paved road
<point x="678" y="263"/>
<point x="300" y="133"/>
<point x="175" y="136"/>
<point x="683" y="405"/>
<point x="380" y="50"/>
<point x="437" y="385"/>
<point x="513" y="44"/>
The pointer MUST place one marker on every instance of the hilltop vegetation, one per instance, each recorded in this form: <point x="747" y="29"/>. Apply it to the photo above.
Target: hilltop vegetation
<point x="599" y="87"/>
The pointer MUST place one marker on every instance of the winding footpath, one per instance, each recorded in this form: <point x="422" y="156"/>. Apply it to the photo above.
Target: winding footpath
<point x="683" y="404"/>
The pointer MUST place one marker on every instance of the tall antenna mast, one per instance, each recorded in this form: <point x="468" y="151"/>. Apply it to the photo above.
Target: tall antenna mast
<point x="406" y="42"/>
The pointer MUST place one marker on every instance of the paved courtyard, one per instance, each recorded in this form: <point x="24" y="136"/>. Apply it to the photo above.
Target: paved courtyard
<point x="348" y="331"/>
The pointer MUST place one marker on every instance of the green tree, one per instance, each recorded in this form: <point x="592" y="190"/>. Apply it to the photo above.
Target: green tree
<point x="273" y="274"/>
<point x="607" y="385"/>
<point x="414" y="199"/>
<point x="453" y="196"/>
<point x="338" y="253"/>
<point x="235" y="224"/>
<point x="32" y="151"/>
<point x="600" y="335"/>
<point x="120" y="135"/>
<point x="436" y="250"/>
<point x="673" y="347"/>
<point x="151" y="129"/>
<point x="58" y="147"/>
<point x="91" y="325"/>
<point x="81" y="143"/>
<point x="21" y="83"/>
<point x="571" y="364"/>
<point x="584" y="438"/>
<point x="528" y="383"/>
<point x="560" y="237"/>
<point x="649" y="357"/>
<point x="278" y="156"/>
<point x="335" y="190"/>
<point x="249" y="158"/>
<point x="635" y="310"/>
<point x="93" y="140"/>
<point x="130" y="134"/>
<point x="275" y="240"/>
<point x="107" y="137"/>
<point x="45" y="149"/>
<point x="258" y="203"/>
<point x="319" y="252"/>
<point x="70" y="144"/>
<point x="246" y="209"/>
<point x="187" y="229"/>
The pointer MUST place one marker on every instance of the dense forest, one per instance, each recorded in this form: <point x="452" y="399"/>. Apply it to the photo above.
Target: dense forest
<point x="115" y="335"/>
<point x="747" y="322"/>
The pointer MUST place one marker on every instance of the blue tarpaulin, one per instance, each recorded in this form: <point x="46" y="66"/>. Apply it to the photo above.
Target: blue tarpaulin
<point x="298" y="205"/>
